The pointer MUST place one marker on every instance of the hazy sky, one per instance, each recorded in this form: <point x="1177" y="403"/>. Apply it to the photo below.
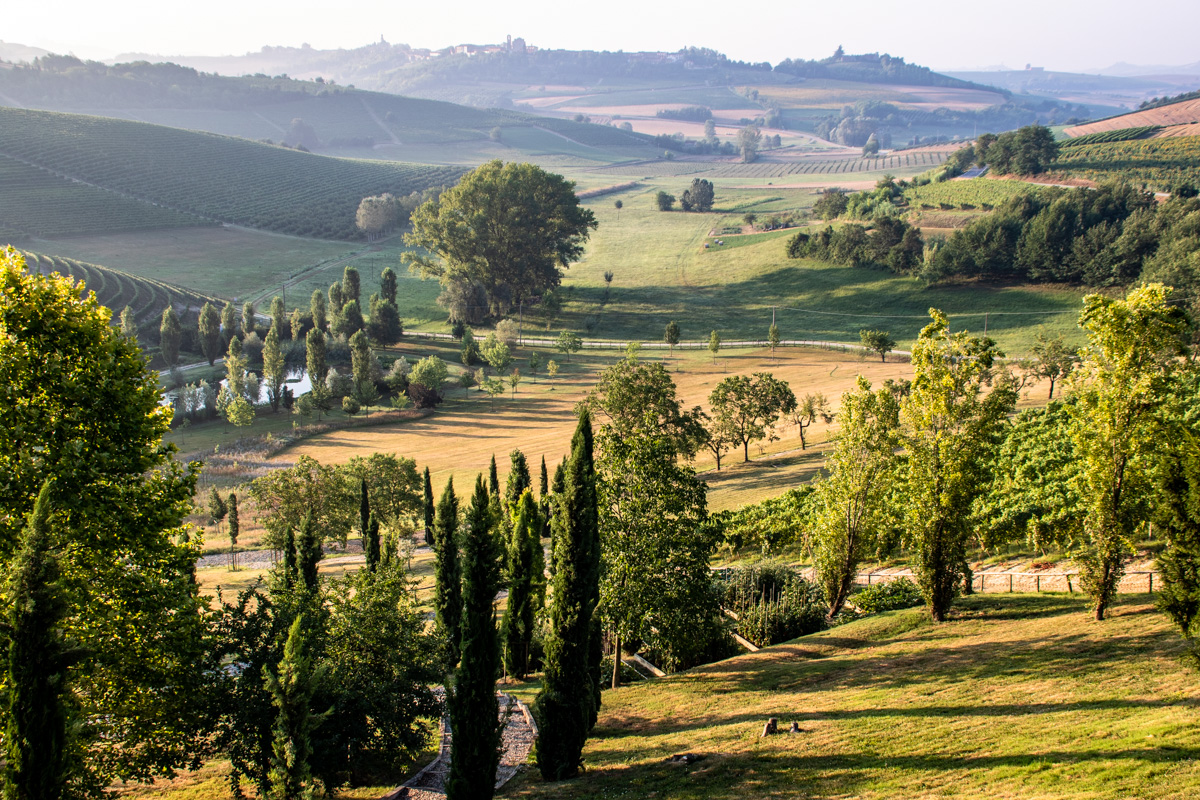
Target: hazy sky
<point x="1057" y="34"/>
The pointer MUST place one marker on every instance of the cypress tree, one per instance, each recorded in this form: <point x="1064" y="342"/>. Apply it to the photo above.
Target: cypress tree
<point x="371" y="543"/>
<point x="516" y="631"/>
<point x="292" y="688"/>
<point x="518" y="479"/>
<point x="36" y="730"/>
<point x="474" y="712"/>
<point x="235" y="529"/>
<point x="544" y="486"/>
<point x="387" y="285"/>
<point x="566" y="706"/>
<point x="291" y="564"/>
<point x="429" y="509"/>
<point x="308" y="554"/>
<point x="493" y="479"/>
<point x="447" y="589"/>
<point x="364" y="512"/>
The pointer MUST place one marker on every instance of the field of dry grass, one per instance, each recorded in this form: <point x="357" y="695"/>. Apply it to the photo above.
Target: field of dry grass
<point x="460" y="439"/>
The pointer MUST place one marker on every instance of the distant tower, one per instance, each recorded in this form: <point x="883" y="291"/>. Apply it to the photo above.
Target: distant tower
<point x="510" y="41"/>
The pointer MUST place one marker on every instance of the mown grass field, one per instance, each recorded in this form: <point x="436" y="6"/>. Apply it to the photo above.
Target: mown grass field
<point x="461" y="437"/>
<point x="1017" y="696"/>
<point x="663" y="272"/>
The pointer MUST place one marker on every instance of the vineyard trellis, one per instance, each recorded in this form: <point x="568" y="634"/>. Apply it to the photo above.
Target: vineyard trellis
<point x="218" y="177"/>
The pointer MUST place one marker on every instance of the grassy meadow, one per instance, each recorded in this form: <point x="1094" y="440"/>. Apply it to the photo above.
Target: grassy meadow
<point x="1017" y="696"/>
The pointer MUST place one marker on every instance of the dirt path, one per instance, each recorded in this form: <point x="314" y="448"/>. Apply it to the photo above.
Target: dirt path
<point x="371" y="112"/>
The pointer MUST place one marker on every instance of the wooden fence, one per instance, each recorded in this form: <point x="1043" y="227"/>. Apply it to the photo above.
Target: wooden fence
<point x="1131" y="583"/>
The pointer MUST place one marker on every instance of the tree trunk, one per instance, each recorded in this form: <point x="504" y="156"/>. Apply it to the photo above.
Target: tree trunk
<point x="746" y="451"/>
<point x="616" y="676"/>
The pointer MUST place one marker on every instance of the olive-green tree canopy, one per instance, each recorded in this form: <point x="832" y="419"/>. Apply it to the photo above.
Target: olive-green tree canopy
<point x="508" y="228"/>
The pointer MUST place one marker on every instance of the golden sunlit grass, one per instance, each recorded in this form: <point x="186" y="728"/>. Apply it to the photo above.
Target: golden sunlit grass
<point x="460" y="439"/>
<point x="1020" y="696"/>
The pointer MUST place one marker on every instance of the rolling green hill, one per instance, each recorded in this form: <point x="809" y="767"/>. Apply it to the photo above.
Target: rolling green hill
<point x="267" y="108"/>
<point x="116" y="289"/>
<point x="219" y="178"/>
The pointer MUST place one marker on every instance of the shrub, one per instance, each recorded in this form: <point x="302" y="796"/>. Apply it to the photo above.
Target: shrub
<point x="773" y="603"/>
<point x="900" y="593"/>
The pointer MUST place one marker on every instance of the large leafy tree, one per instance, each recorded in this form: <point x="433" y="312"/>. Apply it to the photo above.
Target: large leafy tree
<point x="510" y="228"/>
<point x="393" y="483"/>
<point x="748" y="406"/>
<point x="79" y="409"/>
<point x="285" y="496"/>
<point x="634" y="397"/>
<point x="853" y="505"/>
<point x="950" y="422"/>
<point x="655" y="582"/>
<point x="1134" y="349"/>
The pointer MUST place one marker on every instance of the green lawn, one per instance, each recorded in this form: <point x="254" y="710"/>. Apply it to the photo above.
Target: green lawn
<point x="661" y="271"/>
<point x="1018" y="696"/>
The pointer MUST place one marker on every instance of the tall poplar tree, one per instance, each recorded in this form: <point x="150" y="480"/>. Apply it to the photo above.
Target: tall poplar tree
<point x="317" y="308"/>
<point x="474" y="711"/>
<point x="949" y="426"/>
<point x="279" y="318"/>
<point x="1135" y="347"/>
<point x="170" y="334"/>
<point x="229" y="326"/>
<point x="566" y="706"/>
<point x="447" y="582"/>
<point x="209" y="330"/>
<point x="249" y="318"/>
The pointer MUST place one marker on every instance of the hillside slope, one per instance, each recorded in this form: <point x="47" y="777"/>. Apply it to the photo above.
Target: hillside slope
<point x="146" y="297"/>
<point x="1183" y="113"/>
<point x="1018" y="696"/>
<point x="218" y="178"/>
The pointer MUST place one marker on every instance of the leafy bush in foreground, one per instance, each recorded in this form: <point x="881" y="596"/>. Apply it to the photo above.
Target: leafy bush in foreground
<point x="900" y="593"/>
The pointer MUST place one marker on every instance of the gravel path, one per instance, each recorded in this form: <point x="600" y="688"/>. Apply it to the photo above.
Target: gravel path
<point x="520" y="732"/>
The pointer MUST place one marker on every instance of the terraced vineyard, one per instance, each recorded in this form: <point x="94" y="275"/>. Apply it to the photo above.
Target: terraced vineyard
<point x="1154" y="163"/>
<point x="1120" y="135"/>
<point x="116" y="289"/>
<point x="216" y="177"/>
<point x="36" y="202"/>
